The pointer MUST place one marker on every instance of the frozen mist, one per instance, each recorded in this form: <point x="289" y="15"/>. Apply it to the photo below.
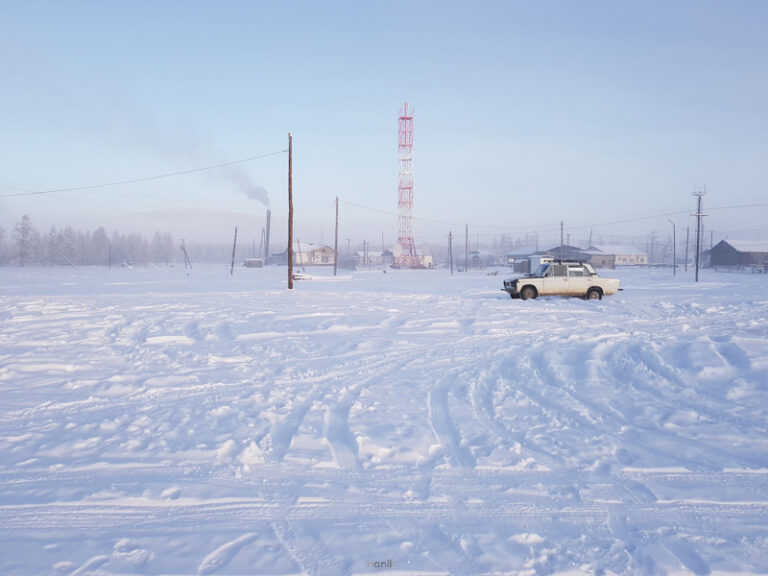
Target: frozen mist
<point x="162" y="421"/>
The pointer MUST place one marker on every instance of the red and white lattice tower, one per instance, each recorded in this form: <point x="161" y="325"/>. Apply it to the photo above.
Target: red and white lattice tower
<point x="406" y="256"/>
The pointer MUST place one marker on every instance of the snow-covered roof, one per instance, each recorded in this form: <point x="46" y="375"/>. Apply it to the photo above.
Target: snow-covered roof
<point x="618" y="249"/>
<point x="565" y="247"/>
<point x="309" y="247"/>
<point x="522" y="251"/>
<point x="748" y="245"/>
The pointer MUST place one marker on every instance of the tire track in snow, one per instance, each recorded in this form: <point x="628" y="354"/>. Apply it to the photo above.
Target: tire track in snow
<point x="483" y="409"/>
<point x="143" y="517"/>
<point x="443" y="427"/>
<point x="337" y="431"/>
<point x="304" y="545"/>
<point x="283" y="429"/>
<point x="435" y="543"/>
<point x="328" y="392"/>
<point x="636" y="368"/>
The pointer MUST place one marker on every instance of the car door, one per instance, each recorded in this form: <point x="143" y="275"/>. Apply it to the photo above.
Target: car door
<point x="555" y="280"/>
<point x="578" y="280"/>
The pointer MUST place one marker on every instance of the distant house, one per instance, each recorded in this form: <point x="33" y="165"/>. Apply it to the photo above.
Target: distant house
<point x="313" y="255"/>
<point x="600" y="259"/>
<point x="611" y="255"/>
<point x="366" y="259"/>
<point x="739" y="253"/>
<point x="481" y="260"/>
<point x="423" y="255"/>
<point x="371" y="258"/>
<point x="519" y="255"/>
<point x="566" y="252"/>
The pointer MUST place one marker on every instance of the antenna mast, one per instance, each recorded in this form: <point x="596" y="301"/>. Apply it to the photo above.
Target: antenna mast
<point x="407" y="257"/>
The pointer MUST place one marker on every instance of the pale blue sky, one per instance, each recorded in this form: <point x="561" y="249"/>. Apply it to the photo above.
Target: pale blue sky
<point x="526" y="113"/>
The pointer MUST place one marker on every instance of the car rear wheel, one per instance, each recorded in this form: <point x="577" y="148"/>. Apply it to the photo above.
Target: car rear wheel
<point x="594" y="294"/>
<point x="528" y="292"/>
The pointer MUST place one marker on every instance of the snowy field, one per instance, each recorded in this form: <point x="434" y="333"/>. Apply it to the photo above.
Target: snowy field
<point x="154" y="421"/>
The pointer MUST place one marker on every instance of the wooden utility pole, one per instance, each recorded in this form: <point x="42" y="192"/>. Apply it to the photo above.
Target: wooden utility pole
<point x="187" y="261"/>
<point x="562" y="249"/>
<point x="450" y="249"/>
<point x="698" y="215"/>
<point x="466" y="247"/>
<point x="674" y="250"/>
<point x="290" y="211"/>
<point x="336" y="239"/>
<point x="266" y="237"/>
<point x="234" y="246"/>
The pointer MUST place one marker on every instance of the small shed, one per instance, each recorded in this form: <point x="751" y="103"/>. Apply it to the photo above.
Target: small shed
<point x="740" y="253"/>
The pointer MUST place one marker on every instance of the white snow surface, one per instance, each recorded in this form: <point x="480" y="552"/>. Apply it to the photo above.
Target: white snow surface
<point x="172" y="421"/>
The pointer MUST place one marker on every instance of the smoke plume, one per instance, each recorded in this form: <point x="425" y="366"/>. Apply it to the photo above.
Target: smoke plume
<point x="242" y="181"/>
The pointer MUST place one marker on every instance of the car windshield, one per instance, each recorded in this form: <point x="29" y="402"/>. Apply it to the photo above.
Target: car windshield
<point x="541" y="270"/>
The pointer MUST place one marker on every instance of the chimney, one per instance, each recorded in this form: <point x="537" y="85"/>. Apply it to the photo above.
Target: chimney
<point x="266" y="243"/>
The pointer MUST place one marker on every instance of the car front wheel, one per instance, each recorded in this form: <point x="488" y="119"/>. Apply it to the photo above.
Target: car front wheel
<point x="594" y="294"/>
<point x="528" y="292"/>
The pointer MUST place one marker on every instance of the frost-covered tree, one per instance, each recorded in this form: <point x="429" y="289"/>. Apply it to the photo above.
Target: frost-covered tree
<point x="67" y="247"/>
<point x="100" y="249"/>
<point x="137" y="249"/>
<point x="3" y="247"/>
<point x="49" y="245"/>
<point x="162" y="248"/>
<point x="23" y="238"/>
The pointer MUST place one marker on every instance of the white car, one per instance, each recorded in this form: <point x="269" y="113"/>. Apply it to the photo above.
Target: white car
<point x="562" y="278"/>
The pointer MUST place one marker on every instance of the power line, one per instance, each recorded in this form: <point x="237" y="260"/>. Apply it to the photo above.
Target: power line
<point x="759" y="205"/>
<point x="143" y="179"/>
<point x="545" y="228"/>
<point x="426" y="220"/>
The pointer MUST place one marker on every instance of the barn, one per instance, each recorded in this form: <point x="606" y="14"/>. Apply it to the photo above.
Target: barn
<point x="740" y="254"/>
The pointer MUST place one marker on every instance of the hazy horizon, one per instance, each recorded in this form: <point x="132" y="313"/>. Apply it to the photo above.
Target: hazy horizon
<point x="175" y="117"/>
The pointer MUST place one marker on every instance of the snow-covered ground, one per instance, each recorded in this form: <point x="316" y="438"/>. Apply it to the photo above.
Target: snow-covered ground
<point x="163" y="421"/>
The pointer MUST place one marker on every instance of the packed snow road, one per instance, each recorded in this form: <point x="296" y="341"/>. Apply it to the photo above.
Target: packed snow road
<point x="159" y="421"/>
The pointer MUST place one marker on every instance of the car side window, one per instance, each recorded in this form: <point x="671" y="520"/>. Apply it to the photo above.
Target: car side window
<point x="576" y="271"/>
<point x="559" y="270"/>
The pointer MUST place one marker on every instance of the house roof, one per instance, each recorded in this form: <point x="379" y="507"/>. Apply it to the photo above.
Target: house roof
<point x="522" y="251"/>
<point x="309" y="247"/>
<point x="564" y="247"/>
<point x="748" y="245"/>
<point x="618" y="249"/>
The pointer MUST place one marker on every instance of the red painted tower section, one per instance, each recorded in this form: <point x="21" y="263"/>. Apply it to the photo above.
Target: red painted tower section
<point x="406" y="256"/>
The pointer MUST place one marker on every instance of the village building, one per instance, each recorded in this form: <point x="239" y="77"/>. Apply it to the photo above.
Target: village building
<point x="480" y="260"/>
<point x="610" y="256"/>
<point x="305" y="254"/>
<point x="740" y="254"/>
<point x="566" y="252"/>
<point x="519" y="255"/>
<point x="423" y="255"/>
